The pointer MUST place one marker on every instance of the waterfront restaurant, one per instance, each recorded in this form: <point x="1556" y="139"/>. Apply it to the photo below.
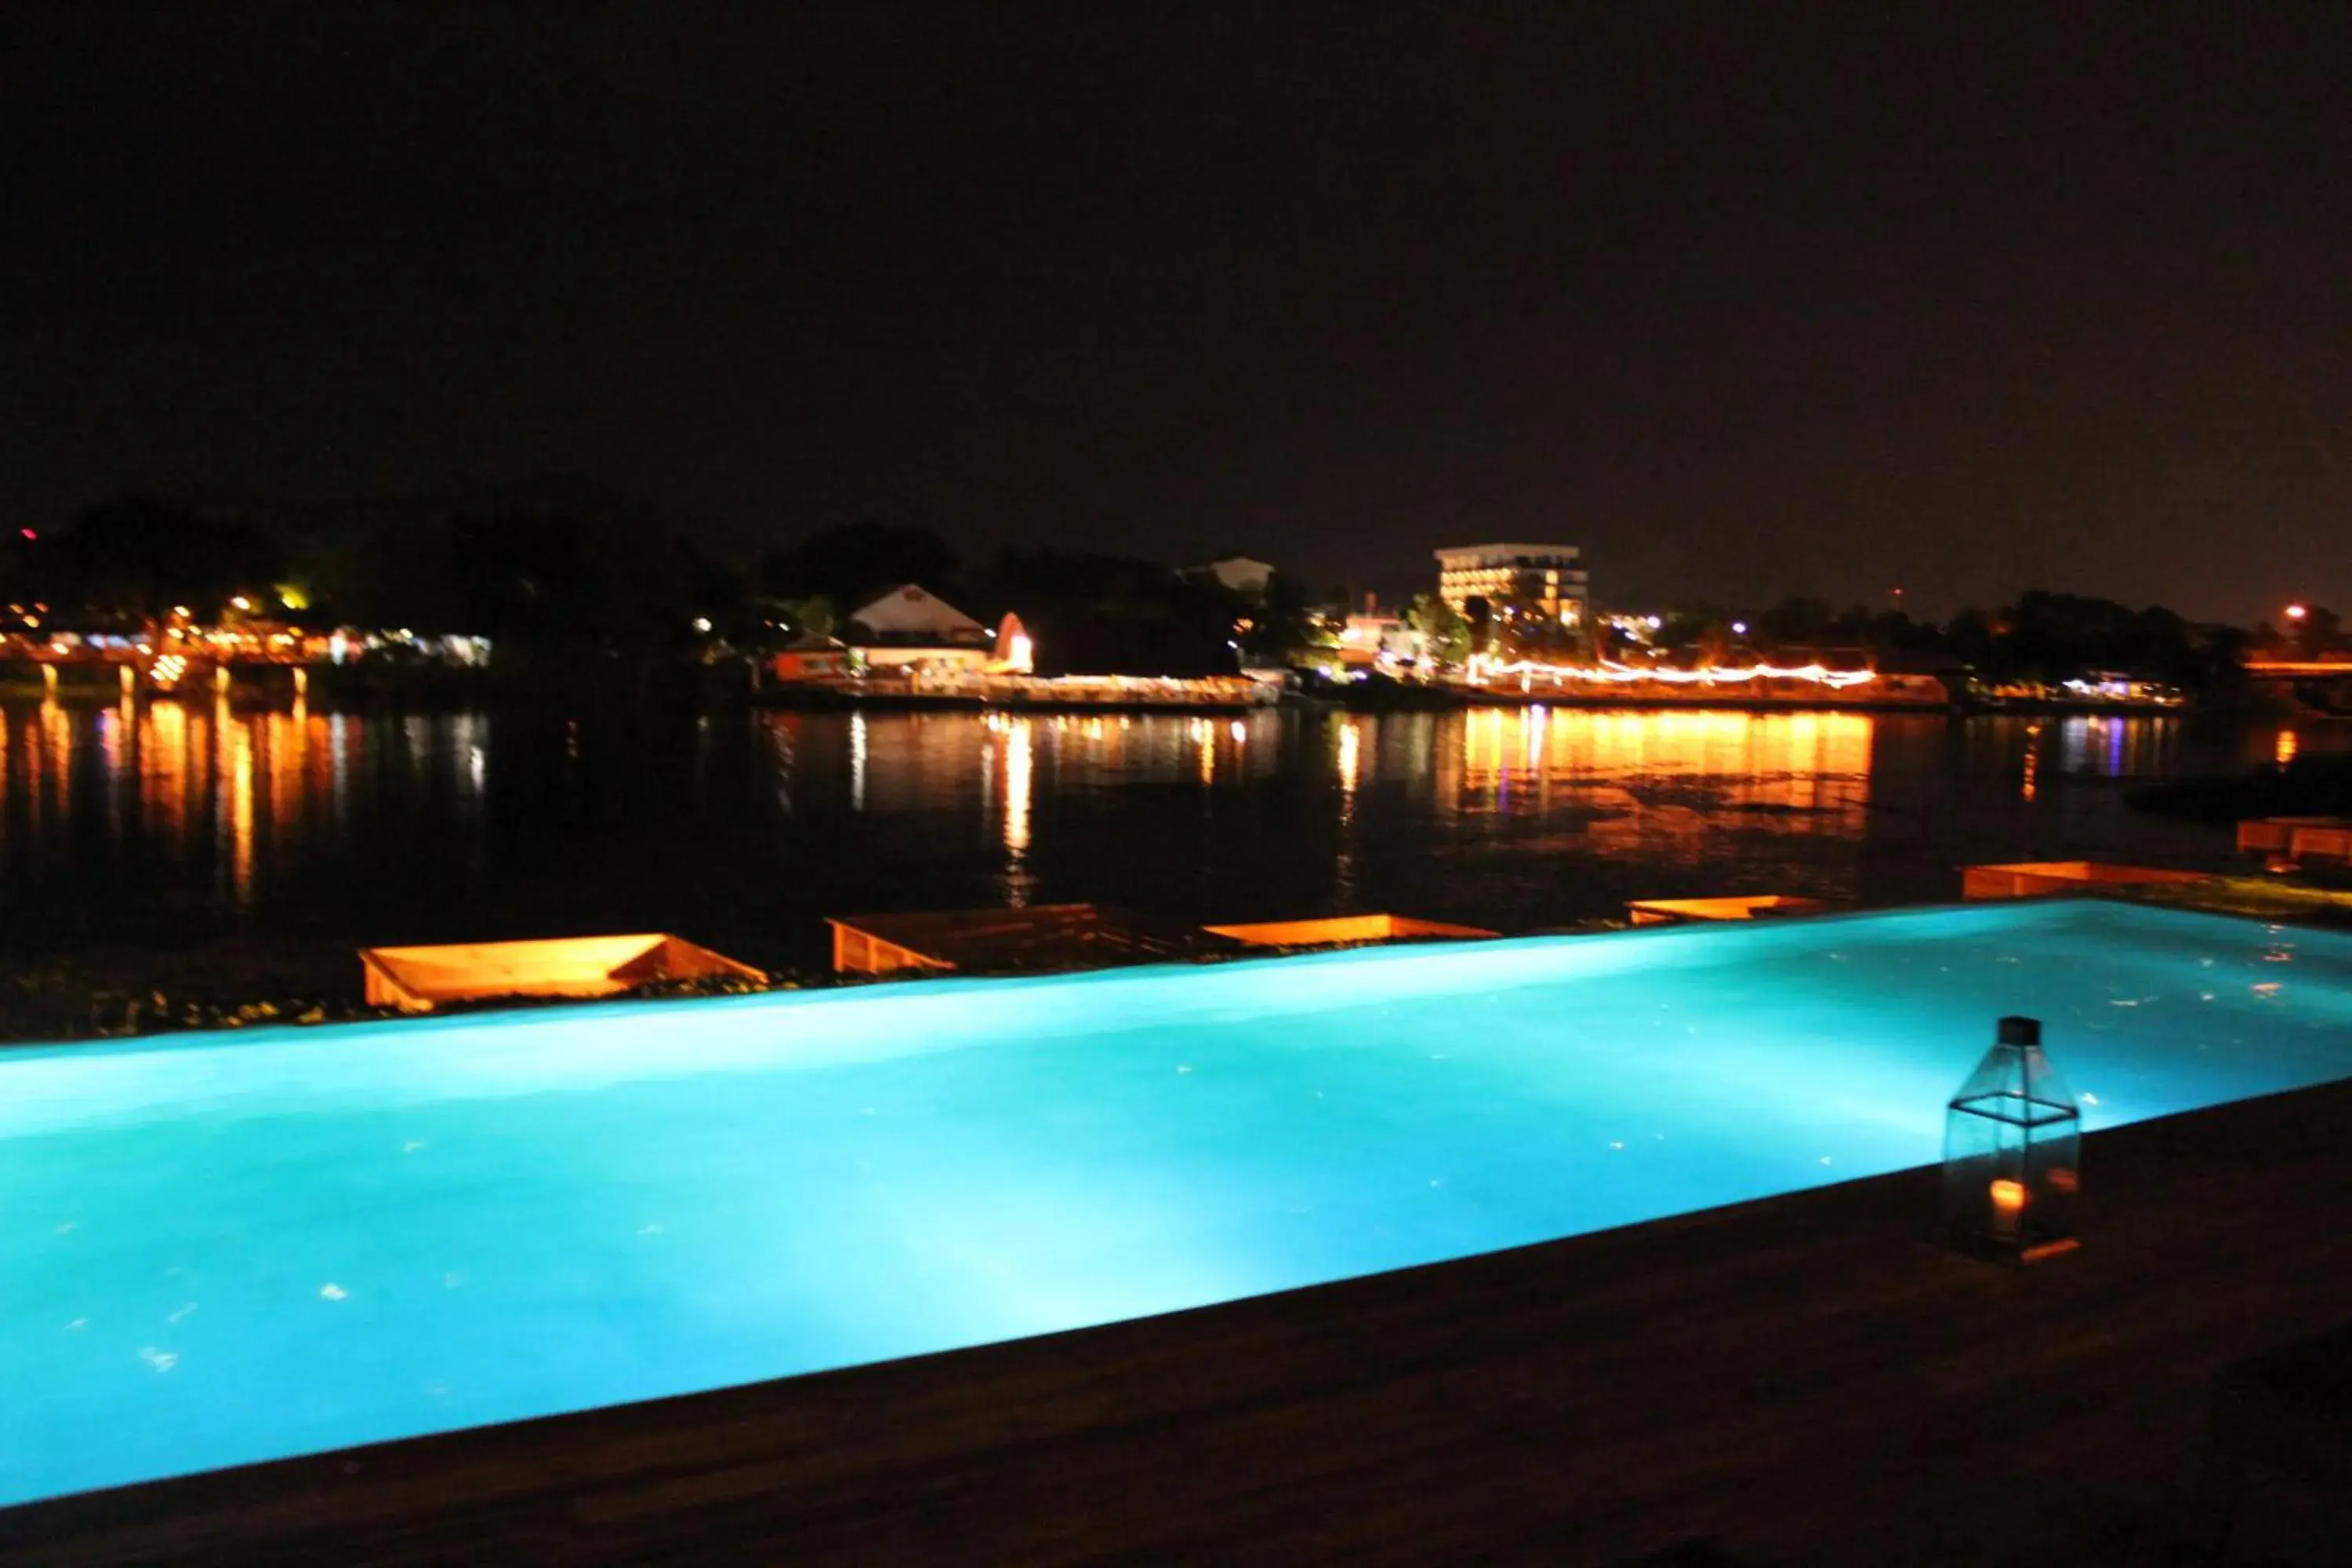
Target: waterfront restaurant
<point x="910" y="627"/>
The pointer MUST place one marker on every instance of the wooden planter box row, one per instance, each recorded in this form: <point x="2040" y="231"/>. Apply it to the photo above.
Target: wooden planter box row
<point x="2298" y="837"/>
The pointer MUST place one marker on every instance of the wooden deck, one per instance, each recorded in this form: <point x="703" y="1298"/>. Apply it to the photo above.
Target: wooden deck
<point x="1797" y="1381"/>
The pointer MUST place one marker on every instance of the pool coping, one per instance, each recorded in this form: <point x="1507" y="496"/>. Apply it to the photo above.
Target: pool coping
<point x="1801" y="1377"/>
<point x="2048" y="906"/>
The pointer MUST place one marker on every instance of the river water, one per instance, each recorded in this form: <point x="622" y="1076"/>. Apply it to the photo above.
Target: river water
<point x="191" y="828"/>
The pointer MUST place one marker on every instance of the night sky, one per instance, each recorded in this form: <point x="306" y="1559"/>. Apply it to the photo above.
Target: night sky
<point x="1744" y="299"/>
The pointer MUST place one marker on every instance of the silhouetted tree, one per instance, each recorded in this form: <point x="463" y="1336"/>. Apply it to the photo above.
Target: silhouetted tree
<point x="813" y="617"/>
<point x="1443" y="630"/>
<point x="1478" y="612"/>
<point x="1282" y="627"/>
<point x="854" y="564"/>
<point x="1700" y="632"/>
<point x="1969" y="638"/>
<point x="2318" y="633"/>
<point x="1797" y="620"/>
<point x="1109" y="614"/>
<point x="2052" y="638"/>
<point x="21" y="564"/>
<point x="136" y="558"/>
<point x="535" y="579"/>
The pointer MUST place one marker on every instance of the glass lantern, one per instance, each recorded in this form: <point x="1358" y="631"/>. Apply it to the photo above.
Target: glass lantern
<point x="2011" y="1136"/>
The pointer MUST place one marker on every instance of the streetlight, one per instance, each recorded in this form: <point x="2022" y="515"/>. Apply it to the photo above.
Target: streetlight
<point x="2297" y="612"/>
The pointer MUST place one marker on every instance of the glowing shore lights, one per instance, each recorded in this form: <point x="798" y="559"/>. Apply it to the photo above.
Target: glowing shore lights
<point x="1611" y="674"/>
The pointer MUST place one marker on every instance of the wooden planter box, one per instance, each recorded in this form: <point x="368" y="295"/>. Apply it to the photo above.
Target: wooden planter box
<point x="2034" y="879"/>
<point x="1046" y="939"/>
<point x="2331" y="841"/>
<point x="1764" y="906"/>
<point x="2276" y="835"/>
<point x="418" y="978"/>
<point x="1344" y="930"/>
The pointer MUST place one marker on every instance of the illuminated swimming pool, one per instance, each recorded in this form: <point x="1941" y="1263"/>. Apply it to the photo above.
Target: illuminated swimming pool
<point x="238" y="1248"/>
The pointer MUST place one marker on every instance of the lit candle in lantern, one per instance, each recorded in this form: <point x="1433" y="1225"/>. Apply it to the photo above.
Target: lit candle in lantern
<point x="2008" y="1203"/>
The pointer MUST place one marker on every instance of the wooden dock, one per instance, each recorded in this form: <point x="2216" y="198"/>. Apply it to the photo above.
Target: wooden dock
<point x="1803" y="1380"/>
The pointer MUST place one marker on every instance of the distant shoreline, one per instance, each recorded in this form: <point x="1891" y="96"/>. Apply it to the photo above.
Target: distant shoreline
<point x="828" y="699"/>
<point x="1709" y="701"/>
<point x="422" y="698"/>
<point x="359" y="688"/>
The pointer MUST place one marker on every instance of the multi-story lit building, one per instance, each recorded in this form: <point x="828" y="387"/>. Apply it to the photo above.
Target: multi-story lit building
<point x="1518" y="582"/>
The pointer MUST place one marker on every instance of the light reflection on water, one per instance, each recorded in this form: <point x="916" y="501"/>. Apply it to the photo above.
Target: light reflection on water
<point x="126" y="825"/>
<point x="1805" y="772"/>
<point x="1020" y="793"/>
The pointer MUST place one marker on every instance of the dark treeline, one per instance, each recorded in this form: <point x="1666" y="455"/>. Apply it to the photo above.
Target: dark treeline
<point x="635" y="582"/>
<point x="1086" y="611"/>
<point x="625" y="584"/>
<point x="131" y="561"/>
<point x="2044" y="637"/>
<point x="518" y="575"/>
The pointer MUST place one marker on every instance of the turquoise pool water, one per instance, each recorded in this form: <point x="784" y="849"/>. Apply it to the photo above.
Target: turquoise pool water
<point x="236" y="1248"/>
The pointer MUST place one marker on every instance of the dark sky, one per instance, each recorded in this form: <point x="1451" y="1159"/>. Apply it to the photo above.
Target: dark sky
<point x="1744" y="299"/>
